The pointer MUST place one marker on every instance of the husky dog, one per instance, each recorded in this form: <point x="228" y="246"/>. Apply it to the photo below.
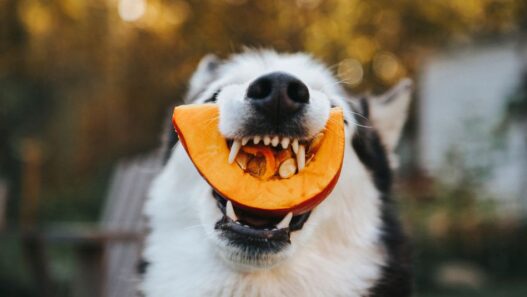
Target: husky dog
<point x="349" y="245"/>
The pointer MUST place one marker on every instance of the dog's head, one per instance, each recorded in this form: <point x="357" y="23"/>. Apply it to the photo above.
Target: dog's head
<point x="279" y="100"/>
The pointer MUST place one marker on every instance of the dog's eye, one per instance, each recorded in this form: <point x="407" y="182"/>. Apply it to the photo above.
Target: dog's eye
<point x="213" y="98"/>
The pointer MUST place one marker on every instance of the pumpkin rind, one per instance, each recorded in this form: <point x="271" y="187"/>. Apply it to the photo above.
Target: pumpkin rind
<point x="197" y="127"/>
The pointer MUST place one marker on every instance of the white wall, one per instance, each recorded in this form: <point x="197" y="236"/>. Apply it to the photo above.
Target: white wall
<point x="463" y="94"/>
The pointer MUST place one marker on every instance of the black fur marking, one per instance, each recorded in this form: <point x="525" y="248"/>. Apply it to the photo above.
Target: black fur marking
<point x="396" y="278"/>
<point x="365" y="107"/>
<point x="372" y="154"/>
<point x="170" y="140"/>
<point x="213" y="98"/>
<point x="142" y="266"/>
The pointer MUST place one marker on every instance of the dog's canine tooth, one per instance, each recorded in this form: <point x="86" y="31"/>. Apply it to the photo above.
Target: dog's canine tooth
<point x="275" y="141"/>
<point x="229" y="210"/>
<point x="267" y="140"/>
<point x="301" y="157"/>
<point x="285" y="142"/>
<point x="294" y="145"/>
<point x="284" y="223"/>
<point x="245" y="140"/>
<point x="257" y="139"/>
<point x="235" y="148"/>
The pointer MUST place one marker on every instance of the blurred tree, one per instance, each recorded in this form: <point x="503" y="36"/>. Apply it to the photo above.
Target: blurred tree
<point x="93" y="80"/>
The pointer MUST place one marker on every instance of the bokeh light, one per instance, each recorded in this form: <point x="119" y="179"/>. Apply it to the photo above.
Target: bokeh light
<point x="350" y="72"/>
<point x="131" y="10"/>
<point x="386" y="66"/>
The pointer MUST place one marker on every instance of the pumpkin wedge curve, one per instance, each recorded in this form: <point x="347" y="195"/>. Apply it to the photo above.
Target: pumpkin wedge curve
<point x="197" y="128"/>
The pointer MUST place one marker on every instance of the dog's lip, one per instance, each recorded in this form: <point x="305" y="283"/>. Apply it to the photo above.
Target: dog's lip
<point x="263" y="235"/>
<point x="296" y="222"/>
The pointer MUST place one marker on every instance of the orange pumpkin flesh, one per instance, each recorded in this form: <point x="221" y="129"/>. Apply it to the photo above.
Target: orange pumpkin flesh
<point x="197" y="127"/>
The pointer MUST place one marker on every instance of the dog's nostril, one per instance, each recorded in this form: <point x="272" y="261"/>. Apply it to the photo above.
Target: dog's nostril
<point x="260" y="89"/>
<point x="278" y="96"/>
<point x="298" y="92"/>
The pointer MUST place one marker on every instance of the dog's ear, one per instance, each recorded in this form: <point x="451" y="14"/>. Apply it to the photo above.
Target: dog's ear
<point x="388" y="114"/>
<point x="204" y="74"/>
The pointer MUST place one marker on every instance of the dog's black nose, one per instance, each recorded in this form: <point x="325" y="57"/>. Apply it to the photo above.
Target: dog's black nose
<point x="278" y="94"/>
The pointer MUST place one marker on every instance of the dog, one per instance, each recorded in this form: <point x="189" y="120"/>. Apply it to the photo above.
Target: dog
<point x="351" y="244"/>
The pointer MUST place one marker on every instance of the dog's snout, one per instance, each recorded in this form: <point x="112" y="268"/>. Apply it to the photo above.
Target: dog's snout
<point x="278" y="94"/>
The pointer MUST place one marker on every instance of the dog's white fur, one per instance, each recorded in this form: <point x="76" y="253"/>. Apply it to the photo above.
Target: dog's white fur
<point x="336" y="253"/>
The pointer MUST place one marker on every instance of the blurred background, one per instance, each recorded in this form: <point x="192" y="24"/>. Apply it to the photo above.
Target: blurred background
<point x="86" y="85"/>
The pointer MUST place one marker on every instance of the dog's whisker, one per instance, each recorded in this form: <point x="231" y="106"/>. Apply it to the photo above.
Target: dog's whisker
<point x="344" y="82"/>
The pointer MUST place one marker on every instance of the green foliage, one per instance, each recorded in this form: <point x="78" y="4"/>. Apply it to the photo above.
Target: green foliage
<point x="15" y="279"/>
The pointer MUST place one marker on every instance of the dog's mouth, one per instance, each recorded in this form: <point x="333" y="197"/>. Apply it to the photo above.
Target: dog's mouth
<point x="262" y="234"/>
<point x="273" y="157"/>
<point x="265" y="157"/>
<point x="243" y="218"/>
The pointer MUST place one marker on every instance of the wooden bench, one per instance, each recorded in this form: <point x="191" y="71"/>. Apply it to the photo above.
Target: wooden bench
<point x="107" y="256"/>
<point x="123" y="215"/>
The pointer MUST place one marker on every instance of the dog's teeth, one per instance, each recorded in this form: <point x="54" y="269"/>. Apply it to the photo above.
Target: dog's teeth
<point x="275" y="141"/>
<point x="267" y="140"/>
<point x="235" y="148"/>
<point x="284" y="223"/>
<point x="285" y="142"/>
<point x="245" y="140"/>
<point x="301" y="157"/>
<point x="294" y="145"/>
<point x="229" y="210"/>
<point x="257" y="139"/>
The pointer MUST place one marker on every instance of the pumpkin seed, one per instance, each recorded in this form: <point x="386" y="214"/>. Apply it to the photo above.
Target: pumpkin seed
<point x="315" y="144"/>
<point x="256" y="166"/>
<point x="287" y="168"/>
<point x="242" y="159"/>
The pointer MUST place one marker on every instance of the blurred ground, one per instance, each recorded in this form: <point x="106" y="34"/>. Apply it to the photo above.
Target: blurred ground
<point x="86" y="83"/>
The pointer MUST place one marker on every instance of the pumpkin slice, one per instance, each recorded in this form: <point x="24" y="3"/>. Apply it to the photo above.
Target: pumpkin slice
<point x="263" y="191"/>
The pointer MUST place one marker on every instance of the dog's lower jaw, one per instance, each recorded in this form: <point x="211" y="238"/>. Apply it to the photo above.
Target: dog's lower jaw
<point x="246" y="260"/>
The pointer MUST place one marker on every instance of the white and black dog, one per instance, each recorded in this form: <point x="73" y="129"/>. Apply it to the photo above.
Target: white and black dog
<point x="349" y="245"/>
